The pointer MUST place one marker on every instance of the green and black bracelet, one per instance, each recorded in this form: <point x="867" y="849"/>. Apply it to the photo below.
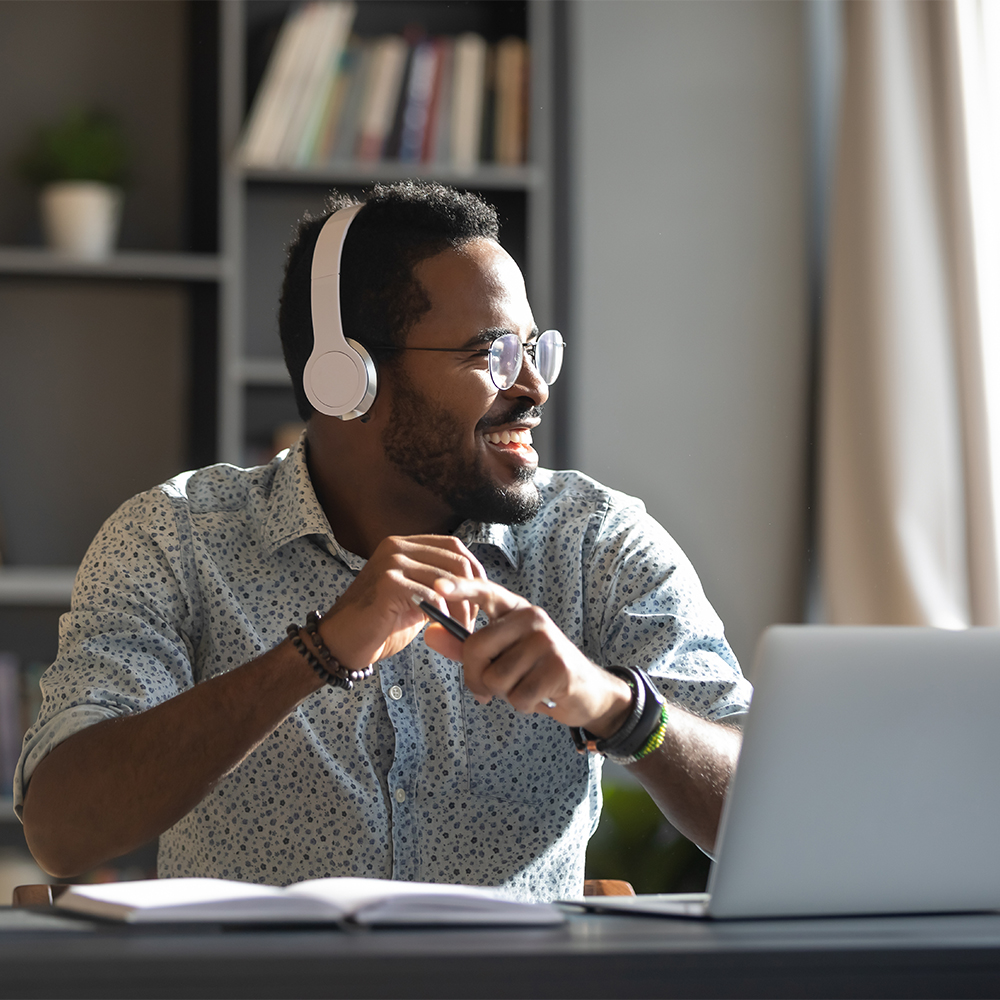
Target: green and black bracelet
<point x="642" y="732"/>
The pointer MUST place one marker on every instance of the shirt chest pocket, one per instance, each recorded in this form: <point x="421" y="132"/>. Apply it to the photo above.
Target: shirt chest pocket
<point x="520" y="758"/>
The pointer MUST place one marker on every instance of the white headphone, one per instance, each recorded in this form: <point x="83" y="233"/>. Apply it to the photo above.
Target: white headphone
<point x="339" y="377"/>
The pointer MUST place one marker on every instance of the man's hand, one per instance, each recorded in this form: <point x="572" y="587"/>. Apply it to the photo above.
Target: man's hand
<point x="376" y="616"/>
<point x="524" y="658"/>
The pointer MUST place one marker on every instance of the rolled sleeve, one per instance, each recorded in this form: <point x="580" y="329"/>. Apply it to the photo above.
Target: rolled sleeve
<point x="655" y="615"/>
<point x="127" y="643"/>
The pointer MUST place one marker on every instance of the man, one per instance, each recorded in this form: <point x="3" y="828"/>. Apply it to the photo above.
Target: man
<point x="179" y="709"/>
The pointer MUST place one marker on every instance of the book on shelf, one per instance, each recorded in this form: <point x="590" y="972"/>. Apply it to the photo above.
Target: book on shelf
<point x="437" y="139"/>
<point x="326" y="900"/>
<point x="329" y="97"/>
<point x="306" y="53"/>
<point x="467" y="99"/>
<point x="509" y="137"/>
<point x="385" y="76"/>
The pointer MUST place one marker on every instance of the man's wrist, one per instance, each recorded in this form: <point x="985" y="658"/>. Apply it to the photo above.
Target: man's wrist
<point x="612" y="720"/>
<point x="642" y="731"/>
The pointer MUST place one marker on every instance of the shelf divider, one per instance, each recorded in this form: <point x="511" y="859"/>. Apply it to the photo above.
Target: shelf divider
<point x="486" y="175"/>
<point x="36" y="586"/>
<point x="129" y="264"/>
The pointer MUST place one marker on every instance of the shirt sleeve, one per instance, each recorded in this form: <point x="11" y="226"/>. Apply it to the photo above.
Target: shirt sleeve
<point x="128" y="641"/>
<point x="653" y="613"/>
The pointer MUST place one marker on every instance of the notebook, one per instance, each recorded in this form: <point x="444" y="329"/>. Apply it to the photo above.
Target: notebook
<point x="867" y="783"/>
<point x="368" y="901"/>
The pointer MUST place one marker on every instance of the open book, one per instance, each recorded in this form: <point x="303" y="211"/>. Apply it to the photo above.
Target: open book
<point x="361" y="900"/>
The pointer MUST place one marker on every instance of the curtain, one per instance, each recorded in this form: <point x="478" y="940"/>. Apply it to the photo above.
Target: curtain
<point x="908" y="481"/>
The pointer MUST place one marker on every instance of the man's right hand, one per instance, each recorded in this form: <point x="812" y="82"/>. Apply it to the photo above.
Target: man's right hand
<point x="376" y="616"/>
<point x="120" y="783"/>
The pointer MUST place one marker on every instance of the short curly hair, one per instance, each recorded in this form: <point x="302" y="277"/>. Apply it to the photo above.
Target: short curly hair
<point x="400" y="225"/>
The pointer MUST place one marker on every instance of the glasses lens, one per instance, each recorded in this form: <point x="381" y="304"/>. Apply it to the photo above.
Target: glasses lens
<point x="506" y="355"/>
<point x="549" y="355"/>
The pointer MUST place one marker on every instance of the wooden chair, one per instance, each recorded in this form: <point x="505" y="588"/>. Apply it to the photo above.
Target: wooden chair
<point x="607" y="887"/>
<point x="37" y="895"/>
<point x="46" y="895"/>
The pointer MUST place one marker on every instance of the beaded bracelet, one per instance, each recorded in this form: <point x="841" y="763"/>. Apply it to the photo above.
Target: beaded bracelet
<point x="333" y="664"/>
<point x="330" y="670"/>
<point x="655" y="740"/>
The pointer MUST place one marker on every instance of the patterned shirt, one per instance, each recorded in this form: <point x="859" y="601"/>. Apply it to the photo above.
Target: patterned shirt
<point x="407" y="776"/>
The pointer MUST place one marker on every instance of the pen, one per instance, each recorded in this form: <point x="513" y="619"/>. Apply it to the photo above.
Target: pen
<point x="455" y="629"/>
<point x="442" y="619"/>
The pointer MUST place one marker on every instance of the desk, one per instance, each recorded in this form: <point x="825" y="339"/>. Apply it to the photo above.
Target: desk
<point x="592" y="956"/>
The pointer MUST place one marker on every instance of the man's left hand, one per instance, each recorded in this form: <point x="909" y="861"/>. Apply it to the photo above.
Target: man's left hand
<point x="524" y="658"/>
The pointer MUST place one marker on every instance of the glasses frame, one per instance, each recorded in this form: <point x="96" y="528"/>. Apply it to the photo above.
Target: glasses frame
<point x="526" y="350"/>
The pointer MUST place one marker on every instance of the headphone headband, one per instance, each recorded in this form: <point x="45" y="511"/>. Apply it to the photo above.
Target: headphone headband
<point x="339" y="377"/>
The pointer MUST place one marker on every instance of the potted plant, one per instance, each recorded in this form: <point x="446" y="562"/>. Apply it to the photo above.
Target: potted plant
<point x="80" y="164"/>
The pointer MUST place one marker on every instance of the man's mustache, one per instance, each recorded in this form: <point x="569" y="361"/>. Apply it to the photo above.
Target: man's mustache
<point x="520" y="411"/>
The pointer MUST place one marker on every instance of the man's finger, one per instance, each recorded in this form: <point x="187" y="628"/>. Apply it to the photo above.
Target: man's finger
<point x="493" y="599"/>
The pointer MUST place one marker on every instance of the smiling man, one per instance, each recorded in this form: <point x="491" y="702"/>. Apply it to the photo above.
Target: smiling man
<point x="245" y="673"/>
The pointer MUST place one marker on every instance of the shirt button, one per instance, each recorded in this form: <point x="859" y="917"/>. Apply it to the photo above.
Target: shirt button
<point x="395" y="693"/>
<point x="400" y="795"/>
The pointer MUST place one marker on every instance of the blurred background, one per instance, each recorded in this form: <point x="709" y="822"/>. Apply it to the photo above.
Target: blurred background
<point x="674" y="179"/>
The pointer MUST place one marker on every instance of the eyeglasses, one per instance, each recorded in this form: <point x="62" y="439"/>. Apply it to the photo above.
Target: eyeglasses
<point x="505" y="356"/>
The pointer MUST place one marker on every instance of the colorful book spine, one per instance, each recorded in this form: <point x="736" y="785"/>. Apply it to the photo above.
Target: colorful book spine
<point x="329" y="98"/>
<point x="378" y="108"/>
<point x="420" y="90"/>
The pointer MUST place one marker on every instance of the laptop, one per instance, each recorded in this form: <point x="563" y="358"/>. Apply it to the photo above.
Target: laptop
<point x="868" y="780"/>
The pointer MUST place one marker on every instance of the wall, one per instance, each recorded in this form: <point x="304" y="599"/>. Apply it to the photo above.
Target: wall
<point x="93" y="374"/>
<point x="689" y="341"/>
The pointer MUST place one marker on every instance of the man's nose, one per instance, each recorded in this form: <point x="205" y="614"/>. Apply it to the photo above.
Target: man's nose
<point x="529" y="383"/>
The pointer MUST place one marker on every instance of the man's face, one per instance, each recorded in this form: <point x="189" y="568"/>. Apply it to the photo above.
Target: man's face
<point x="447" y="420"/>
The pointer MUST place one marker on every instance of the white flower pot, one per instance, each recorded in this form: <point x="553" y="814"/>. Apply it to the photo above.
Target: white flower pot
<point x="81" y="218"/>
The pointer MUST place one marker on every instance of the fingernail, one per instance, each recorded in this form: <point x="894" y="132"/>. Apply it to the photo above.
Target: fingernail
<point x="444" y="586"/>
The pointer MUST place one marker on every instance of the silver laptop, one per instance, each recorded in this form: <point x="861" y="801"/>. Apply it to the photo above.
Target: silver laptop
<point x="868" y="781"/>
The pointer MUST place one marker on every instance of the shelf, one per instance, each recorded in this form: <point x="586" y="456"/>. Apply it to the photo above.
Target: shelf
<point x="48" y="586"/>
<point x="263" y="371"/>
<point x="36" y="261"/>
<point x="486" y="176"/>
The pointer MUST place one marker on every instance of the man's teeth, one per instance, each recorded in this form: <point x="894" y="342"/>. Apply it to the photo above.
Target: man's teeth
<point x="509" y="437"/>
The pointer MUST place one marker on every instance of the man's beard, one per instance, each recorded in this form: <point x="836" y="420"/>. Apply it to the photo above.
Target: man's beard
<point x="423" y="441"/>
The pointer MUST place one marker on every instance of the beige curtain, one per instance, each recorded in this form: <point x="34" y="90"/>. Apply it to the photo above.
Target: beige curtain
<point x="907" y="494"/>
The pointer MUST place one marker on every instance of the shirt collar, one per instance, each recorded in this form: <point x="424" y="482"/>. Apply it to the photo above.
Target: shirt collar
<point x="294" y="511"/>
<point x="498" y="535"/>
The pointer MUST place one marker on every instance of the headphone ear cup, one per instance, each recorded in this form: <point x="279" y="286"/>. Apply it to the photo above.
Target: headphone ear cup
<point x="364" y="404"/>
<point x="341" y="383"/>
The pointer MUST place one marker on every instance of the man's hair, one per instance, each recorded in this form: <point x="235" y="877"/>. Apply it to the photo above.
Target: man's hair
<point x="380" y="299"/>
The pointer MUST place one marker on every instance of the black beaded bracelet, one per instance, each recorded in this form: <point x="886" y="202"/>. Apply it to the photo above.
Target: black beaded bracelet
<point x="330" y="670"/>
<point x="306" y="653"/>
<point x="330" y="661"/>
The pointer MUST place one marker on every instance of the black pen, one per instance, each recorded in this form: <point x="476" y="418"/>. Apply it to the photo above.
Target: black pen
<point x="458" y="631"/>
<point x="442" y="619"/>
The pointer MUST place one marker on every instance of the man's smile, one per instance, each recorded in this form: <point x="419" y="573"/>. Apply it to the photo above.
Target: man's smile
<point x="515" y="442"/>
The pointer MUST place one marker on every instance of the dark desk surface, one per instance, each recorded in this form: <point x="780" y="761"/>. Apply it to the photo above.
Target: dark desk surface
<point x="591" y="956"/>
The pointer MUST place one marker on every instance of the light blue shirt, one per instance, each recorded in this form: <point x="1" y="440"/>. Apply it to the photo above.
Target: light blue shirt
<point x="406" y="776"/>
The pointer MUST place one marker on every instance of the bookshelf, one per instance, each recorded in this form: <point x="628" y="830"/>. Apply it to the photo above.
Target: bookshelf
<point x="260" y="206"/>
<point x="168" y="351"/>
